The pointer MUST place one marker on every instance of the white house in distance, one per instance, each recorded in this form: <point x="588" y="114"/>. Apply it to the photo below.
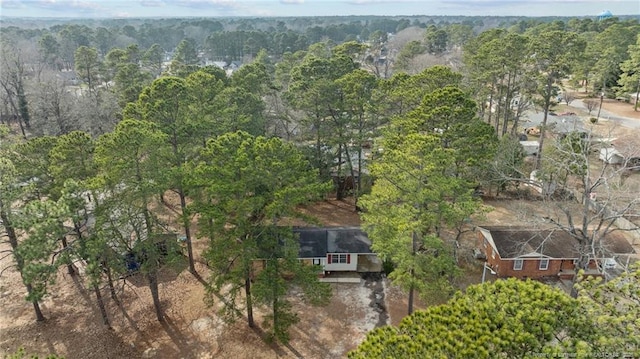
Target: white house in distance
<point x="624" y="151"/>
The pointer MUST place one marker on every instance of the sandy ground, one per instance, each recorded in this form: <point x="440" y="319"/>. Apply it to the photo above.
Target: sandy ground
<point x="192" y="330"/>
<point x="621" y="108"/>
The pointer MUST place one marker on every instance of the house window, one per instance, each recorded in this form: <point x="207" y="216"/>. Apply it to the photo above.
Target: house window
<point x="339" y="258"/>
<point x="517" y="264"/>
<point x="544" y="264"/>
<point x="317" y="261"/>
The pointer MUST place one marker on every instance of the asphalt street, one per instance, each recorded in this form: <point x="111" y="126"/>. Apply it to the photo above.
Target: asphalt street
<point x="533" y="118"/>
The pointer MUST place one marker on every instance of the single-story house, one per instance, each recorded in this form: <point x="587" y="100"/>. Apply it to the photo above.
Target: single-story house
<point x="540" y="253"/>
<point x="611" y="156"/>
<point x="337" y="249"/>
<point x="569" y="125"/>
<point x="627" y="148"/>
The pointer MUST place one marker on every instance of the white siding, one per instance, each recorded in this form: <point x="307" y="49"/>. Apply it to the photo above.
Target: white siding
<point x="352" y="264"/>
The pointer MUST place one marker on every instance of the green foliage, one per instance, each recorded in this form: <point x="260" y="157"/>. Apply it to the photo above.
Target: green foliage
<point x="406" y="206"/>
<point x="520" y="319"/>
<point x="630" y="77"/>
<point x="72" y="158"/>
<point x="509" y="318"/>
<point x="87" y="65"/>
<point x="614" y="307"/>
<point x="436" y="40"/>
<point x="507" y="166"/>
<point x="279" y="252"/>
<point x="407" y="53"/>
<point x="424" y="182"/>
<point x="40" y="222"/>
<point x="22" y="354"/>
<point x="33" y="162"/>
<point x="152" y="60"/>
<point x="131" y="158"/>
<point x="186" y="52"/>
<point x="245" y="185"/>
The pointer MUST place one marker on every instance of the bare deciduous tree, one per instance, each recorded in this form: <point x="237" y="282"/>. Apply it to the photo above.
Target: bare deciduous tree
<point x="586" y="197"/>
<point x="568" y="97"/>
<point x="13" y="71"/>
<point x="599" y="188"/>
<point x="590" y="105"/>
<point x="52" y="106"/>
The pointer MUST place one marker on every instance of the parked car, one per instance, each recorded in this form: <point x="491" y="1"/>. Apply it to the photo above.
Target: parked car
<point x="568" y="113"/>
<point x="609" y="263"/>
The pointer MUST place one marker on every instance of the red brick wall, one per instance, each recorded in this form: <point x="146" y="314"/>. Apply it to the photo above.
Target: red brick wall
<point x="530" y="267"/>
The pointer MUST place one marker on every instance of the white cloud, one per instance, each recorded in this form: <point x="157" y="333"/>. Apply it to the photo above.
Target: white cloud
<point x="10" y="4"/>
<point x="68" y="5"/>
<point x="152" y="3"/>
<point x="369" y="2"/>
<point x="292" y="1"/>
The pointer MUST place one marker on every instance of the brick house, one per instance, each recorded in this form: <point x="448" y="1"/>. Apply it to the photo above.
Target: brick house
<point x="540" y="253"/>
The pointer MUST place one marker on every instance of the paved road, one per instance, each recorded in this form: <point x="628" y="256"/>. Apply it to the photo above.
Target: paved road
<point x="533" y="118"/>
<point x="604" y="114"/>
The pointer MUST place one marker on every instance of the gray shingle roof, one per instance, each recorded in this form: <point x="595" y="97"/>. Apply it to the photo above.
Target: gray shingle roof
<point x="317" y="242"/>
<point x="513" y="242"/>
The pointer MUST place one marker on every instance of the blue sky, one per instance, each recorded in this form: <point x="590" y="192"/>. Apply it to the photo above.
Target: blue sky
<point x="259" y="8"/>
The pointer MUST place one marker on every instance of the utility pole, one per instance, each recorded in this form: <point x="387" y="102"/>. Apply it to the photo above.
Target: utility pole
<point x="604" y="86"/>
<point x="600" y="108"/>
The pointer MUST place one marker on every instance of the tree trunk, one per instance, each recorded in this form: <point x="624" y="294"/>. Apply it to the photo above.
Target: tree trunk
<point x="317" y="124"/>
<point x="507" y="106"/>
<point x="412" y="272"/>
<point x="13" y="241"/>
<point x="275" y="299"/>
<point x="352" y="173"/>
<point x="341" y="183"/>
<point x="23" y="106"/>
<point x="187" y="229"/>
<point x="15" y="109"/>
<point x="411" y="290"/>
<point x="543" y="127"/>
<point x="36" y="305"/>
<point x="635" y="106"/>
<point x="152" y="277"/>
<point x="490" y="102"/>
<point x="65" y="246"/>
<point x="247" y="292"/>
<point x="112" y="289"/>
<point x="499" y="105"/>
<point x="103" y="310"/>
<point x="358" y="183"/>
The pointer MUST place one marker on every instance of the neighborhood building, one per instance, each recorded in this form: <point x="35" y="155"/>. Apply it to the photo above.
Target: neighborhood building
<point x="337" y="249"/>
<point x="541" y="253"/>
<point x="624" y="151"/>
